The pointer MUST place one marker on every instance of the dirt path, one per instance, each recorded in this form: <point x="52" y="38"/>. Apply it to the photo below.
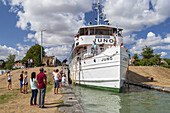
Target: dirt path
<point x="143" y="74"/>
<point x="19" y="103"/>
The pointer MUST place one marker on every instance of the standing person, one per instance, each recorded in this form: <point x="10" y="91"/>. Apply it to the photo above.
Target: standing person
<point x="21" y="81"/>
<point x="56" y="62"/>
<point x="31" y="62"/>
<point x="133" y="62"/>
<point x="48" y="63"/>
<point x="25" y="83"/>
<point x="95" y="48"/>
<point x="53" y="61"/>
<point x="34" y="89"/>
<point x="63" y="79"/>
<point x="56" y="81"/>
<point x="64" y="62"/>
<point x="9" y="80"/>
<point x="60" y="78"/>
<point x="130" y="61"/>
<point x="41" y="78"/>
<point x="26" y="63"/>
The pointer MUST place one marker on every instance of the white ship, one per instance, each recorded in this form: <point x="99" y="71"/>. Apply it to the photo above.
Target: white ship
<point x="107" y="69"/>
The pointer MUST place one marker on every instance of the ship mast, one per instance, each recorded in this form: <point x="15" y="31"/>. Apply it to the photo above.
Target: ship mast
<point x="98" y="20"/>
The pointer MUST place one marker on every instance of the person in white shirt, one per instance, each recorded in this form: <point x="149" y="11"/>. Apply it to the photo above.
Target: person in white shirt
<point x="63" y="79"/>
<point x="9" y="80"/>
<point x="56" y="81"/>
<point x="34" y="89"/>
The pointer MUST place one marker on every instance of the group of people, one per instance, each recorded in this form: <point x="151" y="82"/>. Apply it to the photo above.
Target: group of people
<point x="23" y="78"/>
<point x="59" y="80"/>
<point x="52" y="62"/>
<point x="38" y="84"/>
<point x="132" y="61"/>
<point x="29" y="63"/>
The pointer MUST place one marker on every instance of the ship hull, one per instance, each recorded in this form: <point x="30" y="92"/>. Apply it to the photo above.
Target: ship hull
<point x="105" y="71"/>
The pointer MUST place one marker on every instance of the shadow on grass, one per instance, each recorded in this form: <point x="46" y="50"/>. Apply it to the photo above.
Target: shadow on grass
<point x="135" y="77"/>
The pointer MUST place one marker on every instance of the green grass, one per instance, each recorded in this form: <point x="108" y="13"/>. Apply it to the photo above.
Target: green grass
<point x="49" y="86"/>
<point x="166" y="66"/>
<point x="4" y="98"/>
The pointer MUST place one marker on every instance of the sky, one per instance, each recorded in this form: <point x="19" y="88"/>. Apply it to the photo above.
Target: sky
<point x="145" y="22"/>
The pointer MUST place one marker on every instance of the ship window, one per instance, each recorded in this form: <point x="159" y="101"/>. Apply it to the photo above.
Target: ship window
<point x="110" y="32"/>
<point x="100" y="32"/>
<point x="96" y="32"/>
<point x="81" y="31"/>
<point x="106" y="32"/>
<point x="85" y="31"/>
<point x="91" y="31"/>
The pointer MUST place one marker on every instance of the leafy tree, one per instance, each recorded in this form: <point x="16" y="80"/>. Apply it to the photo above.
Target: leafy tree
<point x="157" y="59"/>
<point x="147" y="52"/>
<point x="10" y="61"/>
<point x="135" y="56"/>
<point x="35" y="53"/>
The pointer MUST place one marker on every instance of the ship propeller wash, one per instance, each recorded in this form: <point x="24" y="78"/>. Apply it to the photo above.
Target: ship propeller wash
<point x="107" y="68"/>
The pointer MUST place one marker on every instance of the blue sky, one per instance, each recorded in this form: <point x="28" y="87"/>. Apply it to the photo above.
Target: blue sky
<point x="21" y="22"/>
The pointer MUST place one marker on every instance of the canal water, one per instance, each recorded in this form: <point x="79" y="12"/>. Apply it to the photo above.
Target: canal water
<point x="132" y="100"/>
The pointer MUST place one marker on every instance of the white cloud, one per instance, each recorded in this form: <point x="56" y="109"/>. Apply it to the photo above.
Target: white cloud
<point x="132" y="15"/>
<point x="6" y="51"/>
<point x="22" y="50"/>
<point x="166" y="47"/>
<point x="61" y="51"/>
<point x="129" y="39"/>
<point x="156" y="42"/>
<point x="167" y="40"/>
<point x="4" y="2"/>
<point x="163" y="54"/>
<point x="60" y="18"/>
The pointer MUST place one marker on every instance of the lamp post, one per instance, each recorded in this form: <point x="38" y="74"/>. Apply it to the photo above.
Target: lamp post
<point x="41" y="43"/>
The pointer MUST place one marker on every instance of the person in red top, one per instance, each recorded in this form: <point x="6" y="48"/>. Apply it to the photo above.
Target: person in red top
<point x="122" y="45"/>
<point x="42" y="82"/>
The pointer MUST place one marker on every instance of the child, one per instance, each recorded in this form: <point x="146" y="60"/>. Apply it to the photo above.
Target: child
<point x="63" y="80"/>
<point x="9" y="80"/>
<point x="21" y="81"/>
<point x="34" y="84"/>
<point x="25" y="83"/>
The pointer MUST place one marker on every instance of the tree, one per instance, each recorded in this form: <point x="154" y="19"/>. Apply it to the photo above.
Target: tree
<point x="147" y="52"/>
<point x="10" y="61"/>
<point x="35" y="53"/>
<point x="135" y="56"/>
